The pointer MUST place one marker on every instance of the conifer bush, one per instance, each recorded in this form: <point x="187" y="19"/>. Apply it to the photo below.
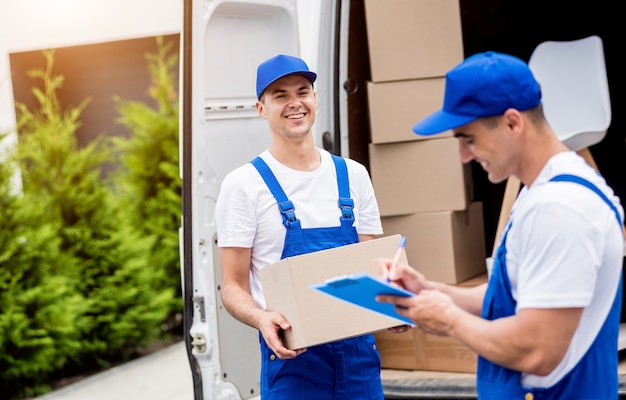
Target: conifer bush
<point x="149" y="177"/>
<point x="80" y="285"/>
<point x="39" y="309"/>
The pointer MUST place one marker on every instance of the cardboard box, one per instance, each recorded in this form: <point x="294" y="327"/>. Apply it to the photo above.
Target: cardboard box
<point x="416" y="350"/>
<point x="410" y="39"/>
<point x="394" y="107"/>
<point x="446" y="246"/>
<point x="316" y="317"/>
<point x="420" y="176"/>
<point x="475" y="281"/>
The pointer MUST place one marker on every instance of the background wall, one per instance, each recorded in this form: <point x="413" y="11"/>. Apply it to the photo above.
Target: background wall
<point x="98" y="73"/>
<point x="34" y="25"/>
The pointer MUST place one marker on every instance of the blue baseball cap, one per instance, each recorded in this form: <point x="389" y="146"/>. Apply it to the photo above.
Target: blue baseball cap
<point x="483" y="85"/>
<point x="277" y="67"/>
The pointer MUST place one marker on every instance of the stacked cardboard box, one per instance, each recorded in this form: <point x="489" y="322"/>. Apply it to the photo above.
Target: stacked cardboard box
<point x="416" y="350"/>
<point x="420" y="176"/>
<point x="411" y="39"/>
<point x="446" y="246"/>
<point x="424" y="191"/>
<point x="412" y="44"/>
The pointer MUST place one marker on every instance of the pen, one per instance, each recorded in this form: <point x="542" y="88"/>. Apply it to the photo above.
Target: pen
<point x="396" y="257"/>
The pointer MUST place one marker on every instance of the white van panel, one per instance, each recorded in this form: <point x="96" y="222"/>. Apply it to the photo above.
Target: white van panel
<point x="222" y="131"/>
<point x="229" y="39"/>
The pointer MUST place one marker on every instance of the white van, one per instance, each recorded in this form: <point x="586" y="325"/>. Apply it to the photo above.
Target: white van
<point x="223" y="41"/>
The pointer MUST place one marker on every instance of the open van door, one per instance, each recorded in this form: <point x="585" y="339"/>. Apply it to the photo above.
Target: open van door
<point x="223" y="42"/>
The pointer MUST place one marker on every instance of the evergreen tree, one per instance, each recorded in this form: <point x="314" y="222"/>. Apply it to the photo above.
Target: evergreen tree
<point x="149" y="176"/>
<point x="108" y="261"/>
<point x="39" y="309"/>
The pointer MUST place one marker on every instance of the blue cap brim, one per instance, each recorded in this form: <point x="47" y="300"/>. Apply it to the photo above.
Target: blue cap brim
<point x="441" y="121"/>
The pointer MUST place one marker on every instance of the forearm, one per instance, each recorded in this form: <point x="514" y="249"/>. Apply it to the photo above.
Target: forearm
<point x="506" y="341"/>
<point x="240" y="304"/>
<point x="235" y="285"/>
<point x="491" y="340"/>
<point x="469" y="299"/>
<point x="533" y="342"/>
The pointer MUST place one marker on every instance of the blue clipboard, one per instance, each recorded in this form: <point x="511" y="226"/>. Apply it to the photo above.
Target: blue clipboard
<point x="361" y="289"/>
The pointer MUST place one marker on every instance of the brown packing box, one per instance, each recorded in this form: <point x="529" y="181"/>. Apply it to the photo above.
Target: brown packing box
<point x="446" y="246"/>
<point x="475" y="281"/>
<point x="410" y="39"/>
<point x="315" y="317"/>
<point x="420" y="176"/>
<point x="394" y="107"/>
<point x="416" y="350"/>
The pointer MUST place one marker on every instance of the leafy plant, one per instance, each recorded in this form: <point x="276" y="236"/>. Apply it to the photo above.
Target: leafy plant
<point x="79" y="287"/>
<point x="149" y="176"/>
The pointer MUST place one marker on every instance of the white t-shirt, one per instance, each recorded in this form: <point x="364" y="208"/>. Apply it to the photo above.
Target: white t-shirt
<point x="247" y="214"/>
<point x="565" y="249"/>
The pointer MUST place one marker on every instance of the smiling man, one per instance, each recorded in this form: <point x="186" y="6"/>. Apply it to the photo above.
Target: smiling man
<point x="295" y="198"/>
<point x="546" y="324"/>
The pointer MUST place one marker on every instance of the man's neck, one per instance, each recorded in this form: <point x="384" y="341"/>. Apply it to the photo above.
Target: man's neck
<point x="301" y="157"/>
<point x="540" y="152"/>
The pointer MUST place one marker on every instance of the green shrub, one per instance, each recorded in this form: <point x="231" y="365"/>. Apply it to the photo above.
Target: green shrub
<point x="38" y="332"/>
<point x="82" y="289"/>
<point x="149" y="177"/>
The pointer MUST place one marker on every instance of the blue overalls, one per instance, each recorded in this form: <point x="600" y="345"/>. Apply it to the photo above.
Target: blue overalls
<point x="343" y="370"/>
<point x="595" y="375"/>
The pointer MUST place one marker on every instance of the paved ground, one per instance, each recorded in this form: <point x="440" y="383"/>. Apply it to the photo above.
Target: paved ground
<point x="164" y="375"/>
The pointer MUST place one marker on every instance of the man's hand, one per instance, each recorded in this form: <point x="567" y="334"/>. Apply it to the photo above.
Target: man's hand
<point x="271" y="326"/>
<point x="403" y="275"/>
<point x="432" y="311"/>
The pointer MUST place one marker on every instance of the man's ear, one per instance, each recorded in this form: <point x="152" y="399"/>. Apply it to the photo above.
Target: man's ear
<point x="260" y="109"/>
<point x="513" y="120"/>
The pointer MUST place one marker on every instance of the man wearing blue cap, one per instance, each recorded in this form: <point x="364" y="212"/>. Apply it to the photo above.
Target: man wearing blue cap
<point x="546" y="324"/>
<point x="293" y="199"/>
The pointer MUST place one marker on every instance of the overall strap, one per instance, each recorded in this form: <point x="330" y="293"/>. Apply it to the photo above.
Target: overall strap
<point x="584" y="182"/>
<point x="287" y="210"/>
<point x="346" y="204"/>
